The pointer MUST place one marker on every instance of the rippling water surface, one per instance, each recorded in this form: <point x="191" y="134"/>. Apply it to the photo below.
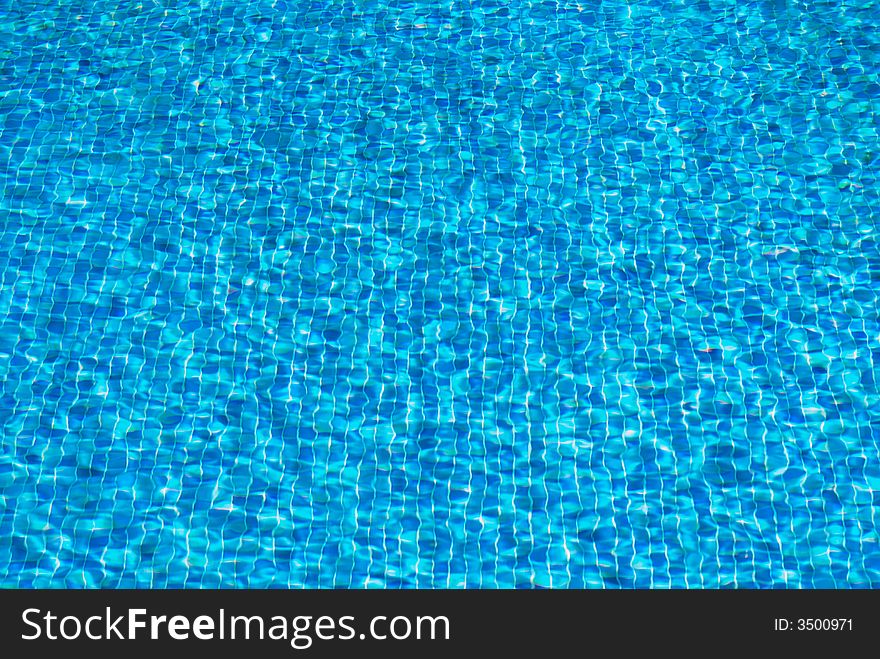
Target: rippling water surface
<point x="402" y="293"/>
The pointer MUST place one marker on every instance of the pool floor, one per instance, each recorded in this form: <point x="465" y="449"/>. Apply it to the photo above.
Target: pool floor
<point x="399" y="294"/>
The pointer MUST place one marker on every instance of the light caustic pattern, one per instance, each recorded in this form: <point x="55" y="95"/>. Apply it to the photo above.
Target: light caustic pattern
<point x="426" y="294"/>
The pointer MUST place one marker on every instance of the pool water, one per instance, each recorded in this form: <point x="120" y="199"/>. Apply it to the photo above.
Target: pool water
<point x="384" y="293"/>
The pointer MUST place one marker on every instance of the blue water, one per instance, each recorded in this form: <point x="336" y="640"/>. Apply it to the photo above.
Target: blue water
<point x="438" y="294"/>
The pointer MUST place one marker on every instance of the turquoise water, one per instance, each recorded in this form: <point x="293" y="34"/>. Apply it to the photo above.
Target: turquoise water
<point x="439" y="294"/>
